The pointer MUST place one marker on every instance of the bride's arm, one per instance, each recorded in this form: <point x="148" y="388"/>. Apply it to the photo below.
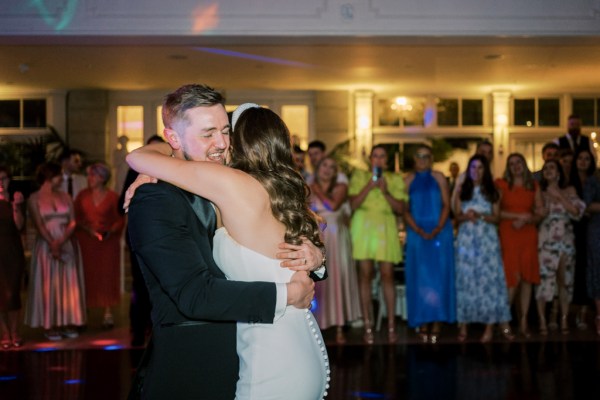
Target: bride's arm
<point x="207" y="179"/>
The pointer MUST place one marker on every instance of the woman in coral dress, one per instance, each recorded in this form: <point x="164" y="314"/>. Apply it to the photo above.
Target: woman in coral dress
<point x="520" y="199"/>
<point x="99" y="227"/>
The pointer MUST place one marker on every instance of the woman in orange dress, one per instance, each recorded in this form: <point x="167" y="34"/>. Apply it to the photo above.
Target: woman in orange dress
<point x="99" y="227"/>
<point x="519" y="205"/>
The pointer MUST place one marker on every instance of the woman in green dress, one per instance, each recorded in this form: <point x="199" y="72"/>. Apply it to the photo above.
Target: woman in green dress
<point x="377" y="197"/>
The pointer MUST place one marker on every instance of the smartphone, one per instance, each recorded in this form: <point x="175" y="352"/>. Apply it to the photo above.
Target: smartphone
<point x="377" y="171"/>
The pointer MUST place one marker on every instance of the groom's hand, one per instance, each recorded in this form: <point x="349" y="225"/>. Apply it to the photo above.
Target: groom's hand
<point x="300" y="290"/>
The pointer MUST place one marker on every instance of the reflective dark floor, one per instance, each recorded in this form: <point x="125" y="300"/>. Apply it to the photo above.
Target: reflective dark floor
<point x="99" y="365"/>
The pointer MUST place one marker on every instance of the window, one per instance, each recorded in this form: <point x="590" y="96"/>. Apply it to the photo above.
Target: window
<point x="536" y="112"/>
<point x="447" y="112"/>
<point x="401" y="111"/>
<point x="460" y="112"/>
<point x="296" y="119"/>
<point x="23" y="113"/>
<point x="588" y="110"/>
<point x="130" y="123"/>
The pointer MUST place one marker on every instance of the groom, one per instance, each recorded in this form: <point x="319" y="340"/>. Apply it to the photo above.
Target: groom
<point x="194" y="308"/>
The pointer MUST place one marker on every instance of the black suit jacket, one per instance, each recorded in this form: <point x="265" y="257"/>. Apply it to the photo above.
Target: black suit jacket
<point x="194" y="308"/>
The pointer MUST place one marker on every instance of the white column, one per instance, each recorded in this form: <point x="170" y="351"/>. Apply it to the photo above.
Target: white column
<point x="363" y="122"/>
<point x="501" y="109"/>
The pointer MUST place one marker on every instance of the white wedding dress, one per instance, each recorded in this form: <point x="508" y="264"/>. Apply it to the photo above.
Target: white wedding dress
<point x="286" y="359"/>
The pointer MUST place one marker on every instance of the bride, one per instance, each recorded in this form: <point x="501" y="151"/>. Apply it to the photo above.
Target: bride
<point x="262" y="201"/>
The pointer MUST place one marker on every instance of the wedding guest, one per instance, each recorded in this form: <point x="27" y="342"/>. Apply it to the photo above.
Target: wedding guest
<point x="565" y="158"/>
<point x="73" y="182"/>
<point x="520" y="199"/>
<point x="556" y="243"/>
<point x="591" y="195"/>
<point x="430" y="281"/>
<point x="56" y="290"/>
<point x="549" y="152"/>
<point x="12" y="261"/>
<point x="582" y="170"/>
<point x="481" y="295"/>
<point x="377" y="198"/>
<point x="99" y="228"/>
<point x="337" y="303"/>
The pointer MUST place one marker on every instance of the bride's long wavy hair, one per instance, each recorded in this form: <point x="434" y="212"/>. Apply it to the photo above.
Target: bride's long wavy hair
<point x="261" y="147"/>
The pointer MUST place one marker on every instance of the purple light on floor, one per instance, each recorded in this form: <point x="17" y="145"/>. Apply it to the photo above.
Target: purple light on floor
<point x="8" y="378"/>
<point x="271" y="60"/>
<point x="74" y="381"/>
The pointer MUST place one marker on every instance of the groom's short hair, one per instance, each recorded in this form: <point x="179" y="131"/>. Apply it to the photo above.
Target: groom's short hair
<point x="186" y="97"/>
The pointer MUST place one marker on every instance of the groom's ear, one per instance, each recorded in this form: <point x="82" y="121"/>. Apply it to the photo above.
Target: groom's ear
<point x="172" y="138"/>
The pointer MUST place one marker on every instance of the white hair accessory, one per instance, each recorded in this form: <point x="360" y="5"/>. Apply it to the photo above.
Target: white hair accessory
<point x="238" y="111"/>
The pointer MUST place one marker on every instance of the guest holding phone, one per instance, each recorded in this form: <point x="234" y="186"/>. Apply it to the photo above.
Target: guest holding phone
<point x="376" y="198"/>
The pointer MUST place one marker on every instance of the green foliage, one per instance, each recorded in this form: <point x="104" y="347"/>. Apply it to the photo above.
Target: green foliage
<point x="23" y="157"/>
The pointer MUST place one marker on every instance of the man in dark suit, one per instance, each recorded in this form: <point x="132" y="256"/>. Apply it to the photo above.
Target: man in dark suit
<point x="573" y="139"/>
<point x="194" y="308"/>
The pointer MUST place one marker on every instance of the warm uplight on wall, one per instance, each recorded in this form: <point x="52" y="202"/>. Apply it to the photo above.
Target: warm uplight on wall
<point x="364" y="122"/>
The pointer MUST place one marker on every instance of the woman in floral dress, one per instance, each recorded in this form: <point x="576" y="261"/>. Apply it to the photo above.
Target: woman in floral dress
<point x="481" y="295"/>
<point x="556" y="243"/>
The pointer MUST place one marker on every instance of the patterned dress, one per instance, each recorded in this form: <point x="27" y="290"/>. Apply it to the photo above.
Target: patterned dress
<point x="556" y="241"/>
<point x="591" y="194"/>
<point x="481" y="294"/>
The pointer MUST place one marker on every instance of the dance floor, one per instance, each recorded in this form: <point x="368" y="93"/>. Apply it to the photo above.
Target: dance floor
<point x="99" y="365"/>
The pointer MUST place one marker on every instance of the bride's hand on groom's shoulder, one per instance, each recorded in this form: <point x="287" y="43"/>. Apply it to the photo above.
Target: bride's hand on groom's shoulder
<point x="139" y="181"/>
<point x="303" y="257"/>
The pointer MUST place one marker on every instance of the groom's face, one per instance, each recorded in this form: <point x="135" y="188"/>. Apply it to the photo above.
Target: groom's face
<point x="205" y="136"/>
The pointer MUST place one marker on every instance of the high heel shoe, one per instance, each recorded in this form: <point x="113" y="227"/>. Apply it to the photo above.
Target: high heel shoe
<point x="524" y="331"/>
<point x="368" y="337"/>
<point x="392" y="335"/>
<point x="508" y="334"/>
<point x="462" y="333"/>
<point x="543" y="327"/>
<point x="5" y="344"/>
<point x="108" y="322"/>
<point x="564" y="325"/>
<point x="486" y="337"/>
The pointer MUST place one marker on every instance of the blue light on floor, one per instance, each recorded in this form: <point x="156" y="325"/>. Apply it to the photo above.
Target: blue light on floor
<point x="113" y="347"/>
<point x="8" y="378"/>
<point x="74" y="381"/>
<point x="368" y="395"/>
<point x="45" y="349"/>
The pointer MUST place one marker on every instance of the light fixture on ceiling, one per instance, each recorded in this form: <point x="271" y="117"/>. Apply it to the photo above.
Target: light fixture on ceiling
<point x="491" y="57"/>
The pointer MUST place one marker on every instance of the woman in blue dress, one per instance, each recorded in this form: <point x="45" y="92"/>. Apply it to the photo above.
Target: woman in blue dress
<point x="430" y="291"/>
<point x="481" y="294"/>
